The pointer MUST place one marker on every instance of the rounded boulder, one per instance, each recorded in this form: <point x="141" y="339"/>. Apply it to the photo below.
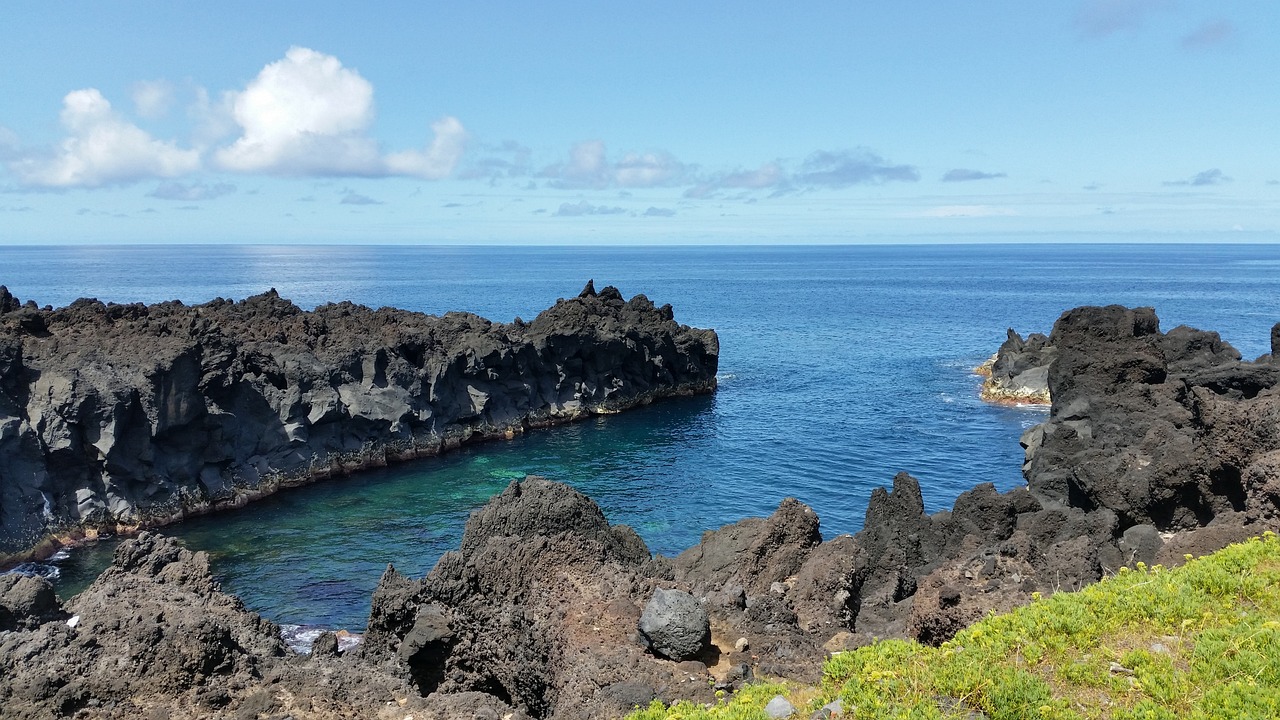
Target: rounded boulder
<point x="674" y="625"/>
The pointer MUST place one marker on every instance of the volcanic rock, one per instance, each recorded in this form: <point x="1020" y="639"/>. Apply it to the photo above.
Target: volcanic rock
<point x="674" y="625"/>
<point x="115" y="417"/>
<point x="1018" y="374"/>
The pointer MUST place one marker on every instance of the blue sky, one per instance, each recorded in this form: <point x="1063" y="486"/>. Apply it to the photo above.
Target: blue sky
<point x="660" y="122"/>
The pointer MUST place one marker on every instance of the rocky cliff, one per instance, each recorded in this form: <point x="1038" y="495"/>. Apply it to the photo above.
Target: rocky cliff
<point x="115" y="417"/>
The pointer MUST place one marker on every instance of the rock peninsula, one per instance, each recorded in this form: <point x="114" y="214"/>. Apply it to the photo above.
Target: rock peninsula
<point x="1157" y="445"/>
<point x="120" y="417"/>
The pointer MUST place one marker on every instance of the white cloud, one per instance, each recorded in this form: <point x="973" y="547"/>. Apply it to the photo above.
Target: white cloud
<point x="152" y="98"/>
<point x="102" y="149"/>
<point x="308" y="115"/>
<point x="439" y="159"/>
<point x="303" y="115"/>
<point x="651" y="169"/>
<point x="589" y="167"/>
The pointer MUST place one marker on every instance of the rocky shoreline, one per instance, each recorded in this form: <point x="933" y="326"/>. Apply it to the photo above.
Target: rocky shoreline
<point x="1157" y="445"/>
<point x="1018" y="373"/>
<point x="115" y="418"/>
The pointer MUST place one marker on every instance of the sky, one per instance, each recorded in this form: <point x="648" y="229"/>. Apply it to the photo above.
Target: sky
<point x="650" y="122"/>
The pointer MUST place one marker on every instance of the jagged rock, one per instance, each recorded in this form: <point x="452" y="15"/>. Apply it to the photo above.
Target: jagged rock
<point x="1157" y="445"/>
<point x="114" y="417"/>
<point x="154" y="636"/>
<point x="674" y="625"/>
<point x="1158" y="428"/>
<point x="1019" y="371"/>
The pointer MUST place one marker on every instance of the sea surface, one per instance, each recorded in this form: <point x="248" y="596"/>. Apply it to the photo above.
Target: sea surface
<point x="839" y="367"/>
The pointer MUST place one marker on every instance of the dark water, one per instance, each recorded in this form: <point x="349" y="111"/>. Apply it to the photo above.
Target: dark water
<point x="839" y="367"/>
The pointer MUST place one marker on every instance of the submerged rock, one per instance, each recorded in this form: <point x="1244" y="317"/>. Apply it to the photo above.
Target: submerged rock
<point x="115" y="417"/>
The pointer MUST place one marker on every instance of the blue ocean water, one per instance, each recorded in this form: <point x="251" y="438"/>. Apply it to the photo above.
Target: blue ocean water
<point x="839" y="367"/>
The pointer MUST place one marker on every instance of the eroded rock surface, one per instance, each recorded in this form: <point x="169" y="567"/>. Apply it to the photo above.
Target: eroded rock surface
<point x="114" y="417"/>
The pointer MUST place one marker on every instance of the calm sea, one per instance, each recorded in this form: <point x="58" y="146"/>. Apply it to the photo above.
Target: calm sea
<point x="839" y="367"/>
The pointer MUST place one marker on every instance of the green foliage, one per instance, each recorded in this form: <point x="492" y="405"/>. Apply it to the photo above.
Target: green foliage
<point x="1200" y="641"/>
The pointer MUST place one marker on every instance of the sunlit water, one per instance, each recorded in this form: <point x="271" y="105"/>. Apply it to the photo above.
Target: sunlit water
<point x="838" y="368"/>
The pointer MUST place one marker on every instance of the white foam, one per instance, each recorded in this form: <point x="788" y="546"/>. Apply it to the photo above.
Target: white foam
<point x="36" y="569"/>
<point x="300" y="638"/>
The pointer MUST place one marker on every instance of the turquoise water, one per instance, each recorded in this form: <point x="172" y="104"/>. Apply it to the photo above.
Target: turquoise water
<point x="840" y="366"/>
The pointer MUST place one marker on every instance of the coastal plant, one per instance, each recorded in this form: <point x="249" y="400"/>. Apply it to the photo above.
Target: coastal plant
<point x="1200" y="641"/>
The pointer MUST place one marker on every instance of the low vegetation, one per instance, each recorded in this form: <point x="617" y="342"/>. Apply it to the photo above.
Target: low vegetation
<point x="1197" y="641"/>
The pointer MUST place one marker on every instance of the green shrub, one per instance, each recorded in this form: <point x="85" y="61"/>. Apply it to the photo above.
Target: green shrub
<point x="1199" y="641"/>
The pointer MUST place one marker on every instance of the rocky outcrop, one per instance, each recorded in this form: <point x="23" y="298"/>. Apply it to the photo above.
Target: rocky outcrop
<point x="1018" y="374"/>
<point x="115" y="417"/>
<point x="155" y="637"/>
<point x="1157" y="444"/>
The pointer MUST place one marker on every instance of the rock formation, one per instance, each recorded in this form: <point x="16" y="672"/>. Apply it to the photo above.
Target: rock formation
<point x="154" y="637"/>
<point x="1157" y="444"/>
<point x="1018" y="374"/>
<point x="114" y="417"/>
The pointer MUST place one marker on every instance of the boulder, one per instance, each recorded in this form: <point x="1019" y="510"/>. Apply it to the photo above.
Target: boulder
<point x="674" y="625"/>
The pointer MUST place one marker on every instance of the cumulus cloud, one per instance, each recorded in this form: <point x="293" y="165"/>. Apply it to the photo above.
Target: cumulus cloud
<point x="582" y="207"/>
<point x="194" y="192"/>
<point x="101" y="148"/>
<point x="440" y="157"/>
<point x="1099" y="18"/>
<point x="966" y="175"/>
<point x="308" y="115"/>
<point x="152" y="98"/>
<point x="659" y="212"/>
<point x="1213" y="176"/>
<point x="1210" y="34"/>
<point x="588" y="166"/>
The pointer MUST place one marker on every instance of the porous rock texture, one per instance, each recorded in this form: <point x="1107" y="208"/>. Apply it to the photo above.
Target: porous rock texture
<point x="115" y="417"/>
<point x="154" y="637"/>
<point x="1157" y="444"/>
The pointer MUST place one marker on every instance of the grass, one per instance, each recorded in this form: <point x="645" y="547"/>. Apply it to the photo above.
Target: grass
<point x="1199" y="641"/>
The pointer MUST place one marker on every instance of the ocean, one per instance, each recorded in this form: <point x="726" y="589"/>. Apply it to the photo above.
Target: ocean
<point x="839" y="366"/>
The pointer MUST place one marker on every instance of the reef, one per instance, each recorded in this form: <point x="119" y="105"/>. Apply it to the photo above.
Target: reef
<point x="120" y="417"/>
<point x="1158" y="445"/>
